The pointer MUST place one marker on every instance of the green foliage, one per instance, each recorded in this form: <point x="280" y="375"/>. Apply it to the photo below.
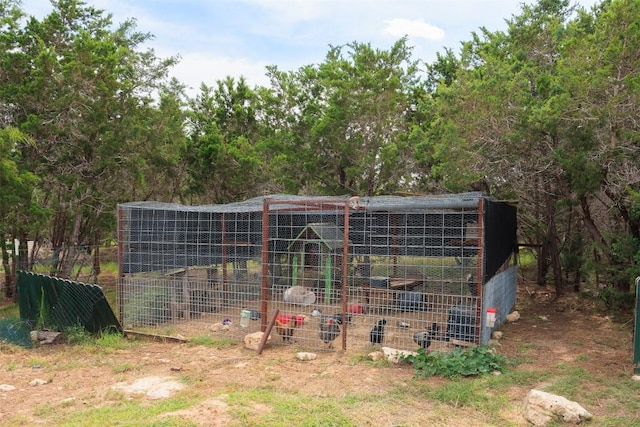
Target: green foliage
<point x="42" y="322"/>
<point x="458" y="363"/>
<point x="616" y="300"/>
<point x="76" y="334"/>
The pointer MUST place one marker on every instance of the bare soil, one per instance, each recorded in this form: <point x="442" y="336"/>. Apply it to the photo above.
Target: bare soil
<point x="549" y="331"/>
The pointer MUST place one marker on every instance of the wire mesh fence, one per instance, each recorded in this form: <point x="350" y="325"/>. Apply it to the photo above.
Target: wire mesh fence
<point x="342" y="273"/>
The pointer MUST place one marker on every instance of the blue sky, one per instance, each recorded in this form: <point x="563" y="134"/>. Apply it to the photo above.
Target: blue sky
<point x="217" y="38"/>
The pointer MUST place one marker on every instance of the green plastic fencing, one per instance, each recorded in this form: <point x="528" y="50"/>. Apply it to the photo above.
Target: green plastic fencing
<point x="54" y="303"/>
<point x="636" y="333"/>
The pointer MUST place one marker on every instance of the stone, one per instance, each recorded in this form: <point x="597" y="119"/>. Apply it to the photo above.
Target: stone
<point x="37" y="382"/>
<point x="302" y="355"/>
<point x="252" y="341"/>
<point x="376" y="355"/>
<point x="542" y="408"/>
<point x="45" y="337"/>
<point x="152" y="387"/>
<point x="513" y="316"/>
<point x="6" y="387"/>
<point x="394" y="355"/>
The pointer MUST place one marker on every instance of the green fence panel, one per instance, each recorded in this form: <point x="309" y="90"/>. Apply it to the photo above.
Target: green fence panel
<point x="53" y="302"/>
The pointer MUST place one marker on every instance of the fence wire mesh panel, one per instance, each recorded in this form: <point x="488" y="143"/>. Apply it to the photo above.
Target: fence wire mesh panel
<point x="340" y="272"/>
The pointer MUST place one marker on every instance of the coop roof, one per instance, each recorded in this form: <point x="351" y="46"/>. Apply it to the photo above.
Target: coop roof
<point x="326" y="232"/>
<point x="373" y="204"/>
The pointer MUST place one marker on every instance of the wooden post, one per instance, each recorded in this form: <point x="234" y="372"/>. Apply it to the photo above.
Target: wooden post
<point x="265" y="335"/>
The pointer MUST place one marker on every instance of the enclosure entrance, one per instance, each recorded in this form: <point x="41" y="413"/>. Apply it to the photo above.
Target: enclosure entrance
<point x="427" y="265"/>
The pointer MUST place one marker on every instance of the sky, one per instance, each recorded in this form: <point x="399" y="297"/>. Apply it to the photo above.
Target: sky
<point x="219" y="38"/>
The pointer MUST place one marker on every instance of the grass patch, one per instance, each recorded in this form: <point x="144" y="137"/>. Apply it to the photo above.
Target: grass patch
<point x="266" y="406"/>
<point x="122" y="368"/>
<point x="122" y="411"/>
<point x="208" y="341"/>
<point x="9" y="311"/>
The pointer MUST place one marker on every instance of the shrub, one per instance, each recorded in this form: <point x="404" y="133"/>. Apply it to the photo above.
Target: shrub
<point x="473" y="361"/>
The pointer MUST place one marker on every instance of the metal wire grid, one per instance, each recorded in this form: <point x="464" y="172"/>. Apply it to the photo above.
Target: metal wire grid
<point x="193" y="272"/>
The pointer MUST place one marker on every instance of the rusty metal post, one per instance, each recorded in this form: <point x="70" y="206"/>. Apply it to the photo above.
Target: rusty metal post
<point x="267" y="331"/>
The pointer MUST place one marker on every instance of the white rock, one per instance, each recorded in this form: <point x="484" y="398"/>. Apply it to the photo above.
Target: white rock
<point x="513" y="316"/>
<point x="6" y="387"/>
<point x="153" y="387"/>
<point x="393" y="355"/>
<point x="37" y="382"/>
<point x="252" y="341"/>
<point x="541" y="408"/>
<point x="302" y="355"/>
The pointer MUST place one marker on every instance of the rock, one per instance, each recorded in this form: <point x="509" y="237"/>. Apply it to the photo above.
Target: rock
<point x="152" y="387"/>
<point x="394" y="355"/>
<point x="219" y="327"/>
<point x="306" y="356"/>
<point x="636" y="377"/>
<point x="45" y="337"/>
<point x="513" y="316"/>
<point x="376" y="355"/>
<point x="542" y="408"/>
<point x="37" y="382"/>
<point x="6" y="387"/>
<point x="252" y="341"/>
<point x="497" y="335"/>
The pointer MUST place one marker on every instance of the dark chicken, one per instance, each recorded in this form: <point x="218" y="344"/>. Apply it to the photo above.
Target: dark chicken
<point x="424" y="338"/>
<point x="338" y="317"/>
<point x="286" y="324"/>
<point x="376" y="336"/>
<point x="329" y="330"/>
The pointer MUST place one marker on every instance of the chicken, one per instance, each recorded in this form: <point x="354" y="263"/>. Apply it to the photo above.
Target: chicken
<point x="338" y="317"/>
<point x="329" y="330"/>
<point x="286" y="324"/>
<point x="376" y="336"/>
<point x="424" y="338"/>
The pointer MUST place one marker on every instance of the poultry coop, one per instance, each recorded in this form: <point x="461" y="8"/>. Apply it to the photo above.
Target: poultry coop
<point x="442" y="267"/>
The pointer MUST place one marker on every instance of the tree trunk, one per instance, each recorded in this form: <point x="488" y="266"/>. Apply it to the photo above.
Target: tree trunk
<point x="551" y="241"/>
<point x="70" y="257"/>
<point x="9" y="273"/>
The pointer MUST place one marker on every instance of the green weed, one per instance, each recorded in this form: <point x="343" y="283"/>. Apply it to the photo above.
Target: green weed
<point x="458" y="363"/>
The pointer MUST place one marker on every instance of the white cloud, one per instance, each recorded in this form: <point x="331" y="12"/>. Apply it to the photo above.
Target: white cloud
<point x="413" y="28"/>
<point x="197" y="68"/>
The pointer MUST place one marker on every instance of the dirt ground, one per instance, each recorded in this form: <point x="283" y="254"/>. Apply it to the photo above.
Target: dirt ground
<point x="547" y="333"/>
